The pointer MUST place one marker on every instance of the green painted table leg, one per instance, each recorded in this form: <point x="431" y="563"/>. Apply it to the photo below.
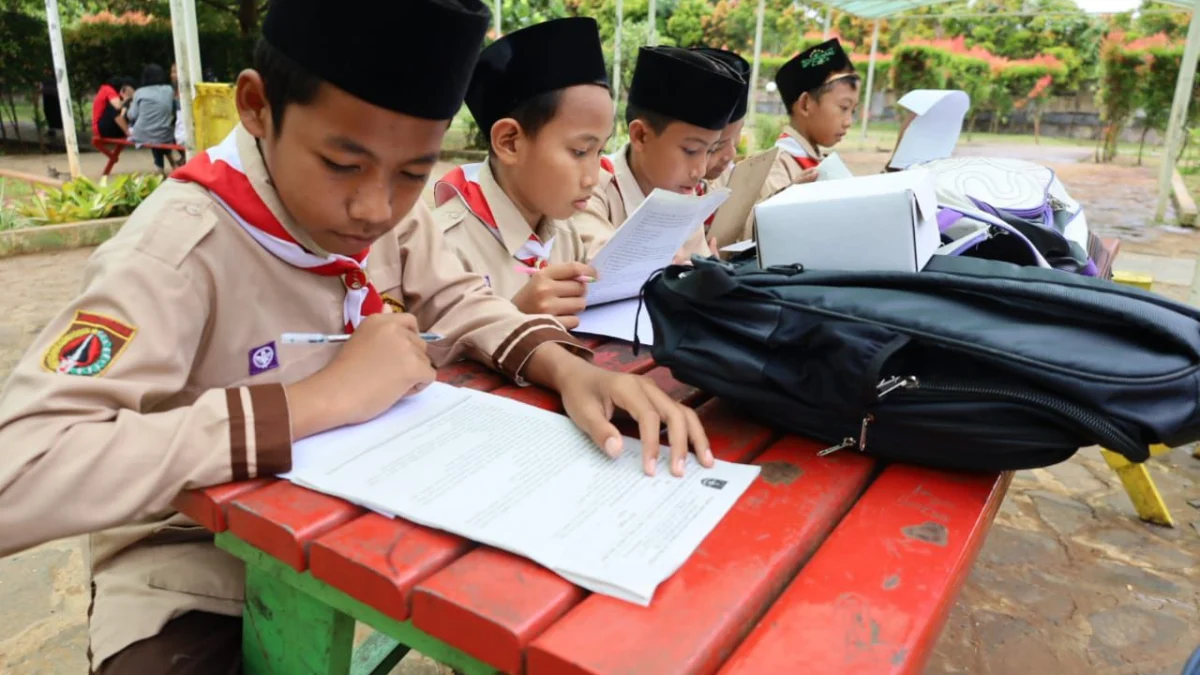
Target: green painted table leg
<point x="334" y="621"/>
<point x="377" y="655"/>
<point x="288" y="631"/>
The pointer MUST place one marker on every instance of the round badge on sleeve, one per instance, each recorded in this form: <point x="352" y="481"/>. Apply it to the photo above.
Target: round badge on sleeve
<point x="89" y="346"/>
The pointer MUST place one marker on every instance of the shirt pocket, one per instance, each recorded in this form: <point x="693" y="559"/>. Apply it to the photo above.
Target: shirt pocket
<point x="199" y="569"/>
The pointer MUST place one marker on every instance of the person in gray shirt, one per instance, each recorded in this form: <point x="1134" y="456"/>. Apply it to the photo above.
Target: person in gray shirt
<point x="152" y="113"/>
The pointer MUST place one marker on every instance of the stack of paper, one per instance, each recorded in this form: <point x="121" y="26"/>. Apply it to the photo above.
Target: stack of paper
<point x="527" y="481"/>
<point x="644" y="244"/>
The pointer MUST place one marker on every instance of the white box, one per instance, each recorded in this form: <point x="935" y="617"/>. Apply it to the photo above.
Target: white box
<point x="880" y="222"/>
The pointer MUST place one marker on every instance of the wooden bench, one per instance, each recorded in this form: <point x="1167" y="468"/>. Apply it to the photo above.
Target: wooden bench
<point x="860" y="560"/>
<point x="112" y="148"/>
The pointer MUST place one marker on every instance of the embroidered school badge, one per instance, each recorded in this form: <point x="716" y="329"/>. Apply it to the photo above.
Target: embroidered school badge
<point x="817" y="58"/>
<point x="89" y="345"/>
<point x="263" y="358"/>
<point x="395" y="304"/>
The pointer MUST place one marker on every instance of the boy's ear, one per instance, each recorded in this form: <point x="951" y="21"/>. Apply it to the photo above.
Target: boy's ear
<point x="803" y="104"/>
<point x="638" y="134"/>
<point x="506" y="140"/>
<point x="253" y="109"/>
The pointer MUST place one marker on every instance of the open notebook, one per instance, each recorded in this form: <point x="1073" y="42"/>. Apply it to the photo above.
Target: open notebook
<point x="645" y="243"/>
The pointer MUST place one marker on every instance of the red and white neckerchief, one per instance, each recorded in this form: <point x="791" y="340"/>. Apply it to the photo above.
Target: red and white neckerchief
<point x="793" y="147"/>
<point x="464" y="182"/>
<point x="220" y="170"/>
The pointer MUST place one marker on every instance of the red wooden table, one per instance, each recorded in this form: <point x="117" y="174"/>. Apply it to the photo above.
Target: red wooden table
<point x="836" y="564"/>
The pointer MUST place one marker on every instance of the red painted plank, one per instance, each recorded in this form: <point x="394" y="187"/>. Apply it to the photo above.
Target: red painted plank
<point x="470" y="375"/>
<point x="699" y="614"/>
<point x="283" y="519"/>
<point x="377" y="560"/>
<point x="618" y="356"/>
<point x="876" y="594"/>
<point x="684" y="393"/>
<point x="207" y="506"/>
<point x="491" y="604"/>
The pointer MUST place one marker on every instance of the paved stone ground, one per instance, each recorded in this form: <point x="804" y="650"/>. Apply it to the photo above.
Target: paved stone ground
<point x="1069" y="581"/>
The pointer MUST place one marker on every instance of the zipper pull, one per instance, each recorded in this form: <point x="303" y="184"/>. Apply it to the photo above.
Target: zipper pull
<point x="862" y="433"/>
<point x="891" y="384"/>
<point x="846" y="443"/>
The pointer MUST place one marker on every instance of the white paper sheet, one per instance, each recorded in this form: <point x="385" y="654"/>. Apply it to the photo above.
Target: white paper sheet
<point x="616" y="320"/>
<point x="833" y="168"/>
<point x="527" y="481"/>
<point x="738" y="247"/>
<point x="935" y="130"/>
<point x="648" y="241"/>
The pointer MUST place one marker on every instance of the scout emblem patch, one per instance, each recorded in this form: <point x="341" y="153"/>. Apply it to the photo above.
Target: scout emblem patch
<point x="263" y="358"/>
<point x="89" y="345"/>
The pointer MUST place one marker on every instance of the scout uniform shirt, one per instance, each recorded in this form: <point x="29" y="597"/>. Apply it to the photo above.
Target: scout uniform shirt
<point x="615" y="196"/>
<point x="491" y="237"/>
<point x="167" y="374"/>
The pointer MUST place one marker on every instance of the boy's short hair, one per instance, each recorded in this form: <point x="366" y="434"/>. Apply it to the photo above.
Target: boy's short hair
<point x="851" y="79"/>
<point x="657" y="122"/>
<point x="534" y="113"/>
<point x="284" y="81"/>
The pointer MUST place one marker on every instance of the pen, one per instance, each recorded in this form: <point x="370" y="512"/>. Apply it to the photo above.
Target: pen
<point x="321" y="338"/>
<point x="530" y="271"/>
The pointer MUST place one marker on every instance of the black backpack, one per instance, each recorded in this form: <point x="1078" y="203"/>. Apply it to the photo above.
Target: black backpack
<point x="971" y="363"/>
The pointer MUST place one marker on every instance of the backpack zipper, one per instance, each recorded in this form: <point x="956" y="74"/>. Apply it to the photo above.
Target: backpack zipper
<point x="1105" y="432"/>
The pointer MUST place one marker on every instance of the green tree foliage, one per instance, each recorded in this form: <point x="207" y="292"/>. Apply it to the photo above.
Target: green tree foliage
<point x="1118" y="95"/>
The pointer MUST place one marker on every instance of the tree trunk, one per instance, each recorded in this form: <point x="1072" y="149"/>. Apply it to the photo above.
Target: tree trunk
<point x="12" y="113"/>
<point x="39" y="121"/>
<point x="1142" y="143"/>
<point x="971" y="125"/>
<point x="247" y="16"/>
<point x="1037" y="128"/>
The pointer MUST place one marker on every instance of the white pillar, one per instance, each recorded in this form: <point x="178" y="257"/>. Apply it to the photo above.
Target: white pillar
<point x="616" y="79"/>
<point x="758" y="30"/>
<point x="496" y="16"/>
<point x="64" y="88"/>
<point x="1179" y="106"/>
<point x="182" y="61"/>
<point x="866" y="106"/>
<point x="193" y="41"/>
<point x="653" y="38"/>
<point x="828" y="20"/>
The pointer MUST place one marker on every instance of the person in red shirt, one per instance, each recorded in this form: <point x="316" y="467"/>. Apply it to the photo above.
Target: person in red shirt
<point x="108" y="108"/>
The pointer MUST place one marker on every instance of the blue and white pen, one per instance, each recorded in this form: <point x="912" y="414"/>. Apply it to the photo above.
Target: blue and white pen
<point x="322" y="338"/>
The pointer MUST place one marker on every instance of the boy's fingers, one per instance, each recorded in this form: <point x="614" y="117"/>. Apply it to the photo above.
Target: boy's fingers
<point x="568" y="321"/>
<point x="596" y="425"/>
<point x="677" y="428"/>
<point x="565" y="306"/>
<point x="568" y="289"/>
<point x="699" y="438"/>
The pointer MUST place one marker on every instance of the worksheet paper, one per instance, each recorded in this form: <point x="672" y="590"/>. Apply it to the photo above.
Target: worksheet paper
<point x="647" y="241"/>
<point x="528" y="481"/>
<point x="644" y="244"/>
<point x="617" y="320"/>
<point x="833" y="168"/>
<point x="934" y="132"/>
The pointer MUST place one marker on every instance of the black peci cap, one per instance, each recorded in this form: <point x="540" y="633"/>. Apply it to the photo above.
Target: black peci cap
<point x="409" y="56"/>
<point x="810" y="69"/>
<point x="541" y="58"/>
<point x="739" y="67"/>
<point x="685" y="86"/>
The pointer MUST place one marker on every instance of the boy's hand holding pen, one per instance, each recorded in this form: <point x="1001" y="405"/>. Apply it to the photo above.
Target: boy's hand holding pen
<point x="559" y="290"/>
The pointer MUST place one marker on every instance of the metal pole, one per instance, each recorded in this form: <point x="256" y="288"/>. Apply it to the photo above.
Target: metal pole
<point x="1183" y="92"/>
<point x="828" y="20"/>
<point x="179" y="33"/>
<point x="616" y="83"/>
<point x="758" y="30"/>
<point x="497" y="16"/>
<point x="866" y="108"/>
<point x="64" y="87"/>
<point x="653" y="38"/>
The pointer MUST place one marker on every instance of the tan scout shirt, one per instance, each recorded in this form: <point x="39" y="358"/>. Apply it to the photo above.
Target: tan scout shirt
<point x="177" y="384"/>
<point x="494" y="258"/>
<point x="615" y="196"/>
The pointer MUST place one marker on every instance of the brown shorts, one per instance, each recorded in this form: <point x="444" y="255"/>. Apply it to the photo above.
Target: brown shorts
<point x="196" y="643"/>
